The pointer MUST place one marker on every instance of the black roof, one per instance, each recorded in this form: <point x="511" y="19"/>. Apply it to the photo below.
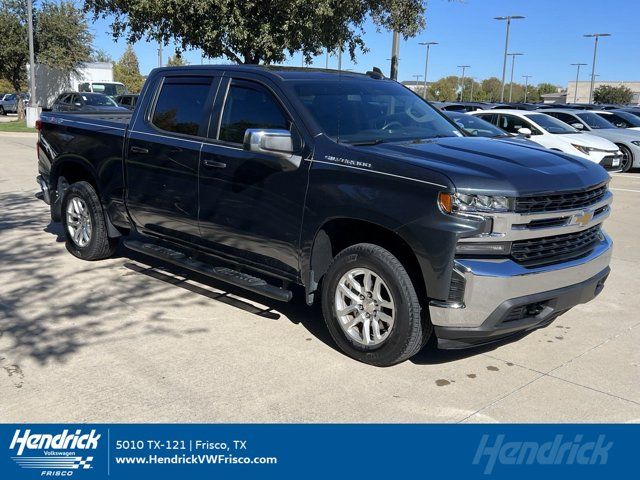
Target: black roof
<point x="281" y="72"/>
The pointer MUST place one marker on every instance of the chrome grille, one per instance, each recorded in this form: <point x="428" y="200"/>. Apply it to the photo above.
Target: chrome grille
<point x="537" y="252"/>
<point x="562" y="201"/>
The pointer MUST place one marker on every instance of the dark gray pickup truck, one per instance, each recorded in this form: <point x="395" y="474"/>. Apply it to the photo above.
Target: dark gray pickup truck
<point x="348" y="185"/>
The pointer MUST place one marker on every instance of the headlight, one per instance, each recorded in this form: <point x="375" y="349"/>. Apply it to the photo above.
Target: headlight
<point x="461" y="202"/>
<point x="582" y="148"/>
<point x="636" y="143"/>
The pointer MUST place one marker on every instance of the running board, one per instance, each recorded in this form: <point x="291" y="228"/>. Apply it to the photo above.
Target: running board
<point x="233" y="277"/>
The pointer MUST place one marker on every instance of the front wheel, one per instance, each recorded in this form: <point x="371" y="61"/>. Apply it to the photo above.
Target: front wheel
<point x="84" y="223"/>
<point x="371" y="306"/>
<point x="627" y="159"/>
<point x="2" y="112"/>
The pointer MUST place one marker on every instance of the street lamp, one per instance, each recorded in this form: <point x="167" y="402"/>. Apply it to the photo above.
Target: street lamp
<point x="513" y="64"/>
<point x="417" y="77"/>
<point x="426" y="65"/>
<point x="575" y="94"/>
<point x="526" y="86"/>
<point x="463" y="67"/>
<point x="596" y="36"/>
<point x="506" y="48"/>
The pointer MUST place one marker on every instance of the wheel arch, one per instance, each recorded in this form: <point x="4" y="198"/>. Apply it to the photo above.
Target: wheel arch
<point x="336" y="234"/>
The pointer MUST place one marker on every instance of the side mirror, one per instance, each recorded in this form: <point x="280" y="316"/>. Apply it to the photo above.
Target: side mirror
<point x="525" y="131"/>
<point x="577" y="125"/>
<point x="274" y="142"/>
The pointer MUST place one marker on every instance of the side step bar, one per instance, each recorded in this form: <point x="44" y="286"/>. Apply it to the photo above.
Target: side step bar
<point x="233" y="277"/>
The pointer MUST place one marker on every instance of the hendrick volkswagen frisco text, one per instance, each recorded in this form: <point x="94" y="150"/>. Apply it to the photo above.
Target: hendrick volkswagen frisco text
<point x="402" y="225"/>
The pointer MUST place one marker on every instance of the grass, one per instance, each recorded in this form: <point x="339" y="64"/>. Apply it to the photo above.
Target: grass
<point x="15" y="126"/>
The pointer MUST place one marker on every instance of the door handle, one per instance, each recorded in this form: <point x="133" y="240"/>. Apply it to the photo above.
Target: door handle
<point x="213" y="163"/>
<point x="135" y="149"/>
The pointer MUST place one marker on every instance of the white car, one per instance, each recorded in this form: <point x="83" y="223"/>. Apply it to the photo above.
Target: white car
<point x="554" y="134"/>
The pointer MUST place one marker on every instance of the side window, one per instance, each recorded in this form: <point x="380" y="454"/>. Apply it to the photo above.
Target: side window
<point x="84" y="87"/>
<point x="511" y="124"/>
<point x="182" y="105"/>
<point x="249" y="105"/>
<point x="564" y="117"/>
<point x="125" y="100"/>
<point x="489" y="117"/>
<point x="76" y="99"/>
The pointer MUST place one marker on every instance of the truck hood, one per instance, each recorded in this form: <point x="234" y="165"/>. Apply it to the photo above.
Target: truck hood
<point x="485" y="165"/>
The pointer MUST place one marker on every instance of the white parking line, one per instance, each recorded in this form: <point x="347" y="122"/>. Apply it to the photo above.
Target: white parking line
<point x="624" y="190"/>
<point x="625" y="175"/>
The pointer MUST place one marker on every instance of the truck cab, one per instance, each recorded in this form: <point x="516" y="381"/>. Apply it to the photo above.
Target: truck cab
<point x="349" y="185"/>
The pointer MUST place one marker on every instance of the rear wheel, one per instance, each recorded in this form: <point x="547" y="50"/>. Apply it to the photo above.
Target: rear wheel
<point x="2" y="112"/>
<point x="84" y="224"/>
<point x="627" y="158"/>
<point x="371" y="307"/>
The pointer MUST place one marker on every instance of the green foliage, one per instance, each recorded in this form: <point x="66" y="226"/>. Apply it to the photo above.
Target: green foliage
<point x="256" y="31"/>
<point x="544" y="88"/>
<point x="176" y="60"/>
<point x="61" y="38"/>
<point x="445" y="89"/>
<point x="100" y="56"/>
<point x="127" y="71"/>
<point x="611" y="94"/>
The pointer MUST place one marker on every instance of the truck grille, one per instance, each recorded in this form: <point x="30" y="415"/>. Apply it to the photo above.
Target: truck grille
<point x="562" y="201"/>
<point x="537" y="252"/>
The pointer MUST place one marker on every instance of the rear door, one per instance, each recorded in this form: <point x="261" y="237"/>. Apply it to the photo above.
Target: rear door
<point x="163" y="155"/>
<point x="250" y="205"/>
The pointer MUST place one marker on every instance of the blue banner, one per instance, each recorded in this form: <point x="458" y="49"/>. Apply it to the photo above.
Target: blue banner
<point x="253" y="451"/>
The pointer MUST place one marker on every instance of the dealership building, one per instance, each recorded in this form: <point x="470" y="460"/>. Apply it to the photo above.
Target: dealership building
<point x="583" y="90"/>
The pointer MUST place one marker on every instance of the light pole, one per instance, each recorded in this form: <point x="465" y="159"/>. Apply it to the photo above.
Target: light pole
<point x="513" y="64"/>
<point x="326" y="61"/>
<point x="33" y="102"/>
<point x="506" y="48"/>
<point x="159" y="54"/>
<point x="464" y="68"/>
<point x="426" y="66"/>
<point x="526" y="86"/>
<point x="593" y="65"/>
<point x="575" y="93"/>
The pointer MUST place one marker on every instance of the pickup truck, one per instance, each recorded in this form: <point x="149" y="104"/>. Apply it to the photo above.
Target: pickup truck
<point x="346" y="188"/>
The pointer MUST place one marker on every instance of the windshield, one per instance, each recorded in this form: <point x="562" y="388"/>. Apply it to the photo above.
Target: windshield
<point x="98" y="100"/>
<point x="476" y="126"/>
<point x="594" y="121"/>
<point x="550" y="124"/>
<point x="370" y="111"/>
<point x="111" y="89"/>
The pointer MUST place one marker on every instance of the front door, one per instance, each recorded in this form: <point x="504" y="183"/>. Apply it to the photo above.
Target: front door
<point x="250" y="206"/>
<point x="163" y="157"/>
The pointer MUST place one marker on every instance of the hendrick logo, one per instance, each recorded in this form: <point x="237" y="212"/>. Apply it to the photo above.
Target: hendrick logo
<point x="53" y="453"/>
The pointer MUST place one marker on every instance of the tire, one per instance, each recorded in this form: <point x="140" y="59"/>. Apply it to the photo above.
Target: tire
<point x="627" y="159"/>
<point x="81" y="205"/>
<point x="407" y="333"/>
<point x="2" y="112"/>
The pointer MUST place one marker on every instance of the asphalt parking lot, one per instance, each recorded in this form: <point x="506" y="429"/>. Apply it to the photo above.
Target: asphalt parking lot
<point x="126" y="340"/>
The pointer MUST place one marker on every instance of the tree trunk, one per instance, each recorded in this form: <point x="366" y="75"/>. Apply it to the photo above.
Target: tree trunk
<point x="20" y="108"/>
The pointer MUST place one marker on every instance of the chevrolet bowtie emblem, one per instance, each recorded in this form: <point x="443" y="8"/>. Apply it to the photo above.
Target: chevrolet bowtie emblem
<point x="583" y="219"/>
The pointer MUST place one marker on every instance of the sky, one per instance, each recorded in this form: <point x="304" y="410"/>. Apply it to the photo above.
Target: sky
<point x="550" y="37"/>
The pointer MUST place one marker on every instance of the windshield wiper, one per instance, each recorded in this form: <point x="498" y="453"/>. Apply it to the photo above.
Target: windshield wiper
<point x="362" y="143"/>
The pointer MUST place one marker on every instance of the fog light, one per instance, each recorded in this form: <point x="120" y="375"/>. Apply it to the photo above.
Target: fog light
<point x="483" y="248"/>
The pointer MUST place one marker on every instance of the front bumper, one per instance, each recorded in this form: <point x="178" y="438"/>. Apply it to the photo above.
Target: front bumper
<point x="502" y="298"/>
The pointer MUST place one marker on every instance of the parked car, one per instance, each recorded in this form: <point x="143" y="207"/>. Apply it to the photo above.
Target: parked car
<point x="348" y="185"/>
<point x="127" y="101"/>
<point x="554" y="134"/>
<point x="465" y="106"/>
<point x="620" y="118"/>
<point x="110" y="89"/>
<point x="593" y="124"/>
<point x="85" y="102"/>
<point x="9" y="104"/>
<point x="476" y="127"/>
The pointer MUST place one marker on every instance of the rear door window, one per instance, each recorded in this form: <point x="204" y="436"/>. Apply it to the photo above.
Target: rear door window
<point x="183" y="105"/>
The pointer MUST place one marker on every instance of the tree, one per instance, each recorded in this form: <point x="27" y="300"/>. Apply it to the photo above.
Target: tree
<point x="250" y="31"/>
<point x="61" y="38"/>
<point x="445" y="89"/>
<point x="176" y="60"/>
<point x="100" y="55"/>
<point x="611" y="94"/>
<point x="490" y="88"/>
<point x="544" y="88"/>
<point x="127" y="71"/>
